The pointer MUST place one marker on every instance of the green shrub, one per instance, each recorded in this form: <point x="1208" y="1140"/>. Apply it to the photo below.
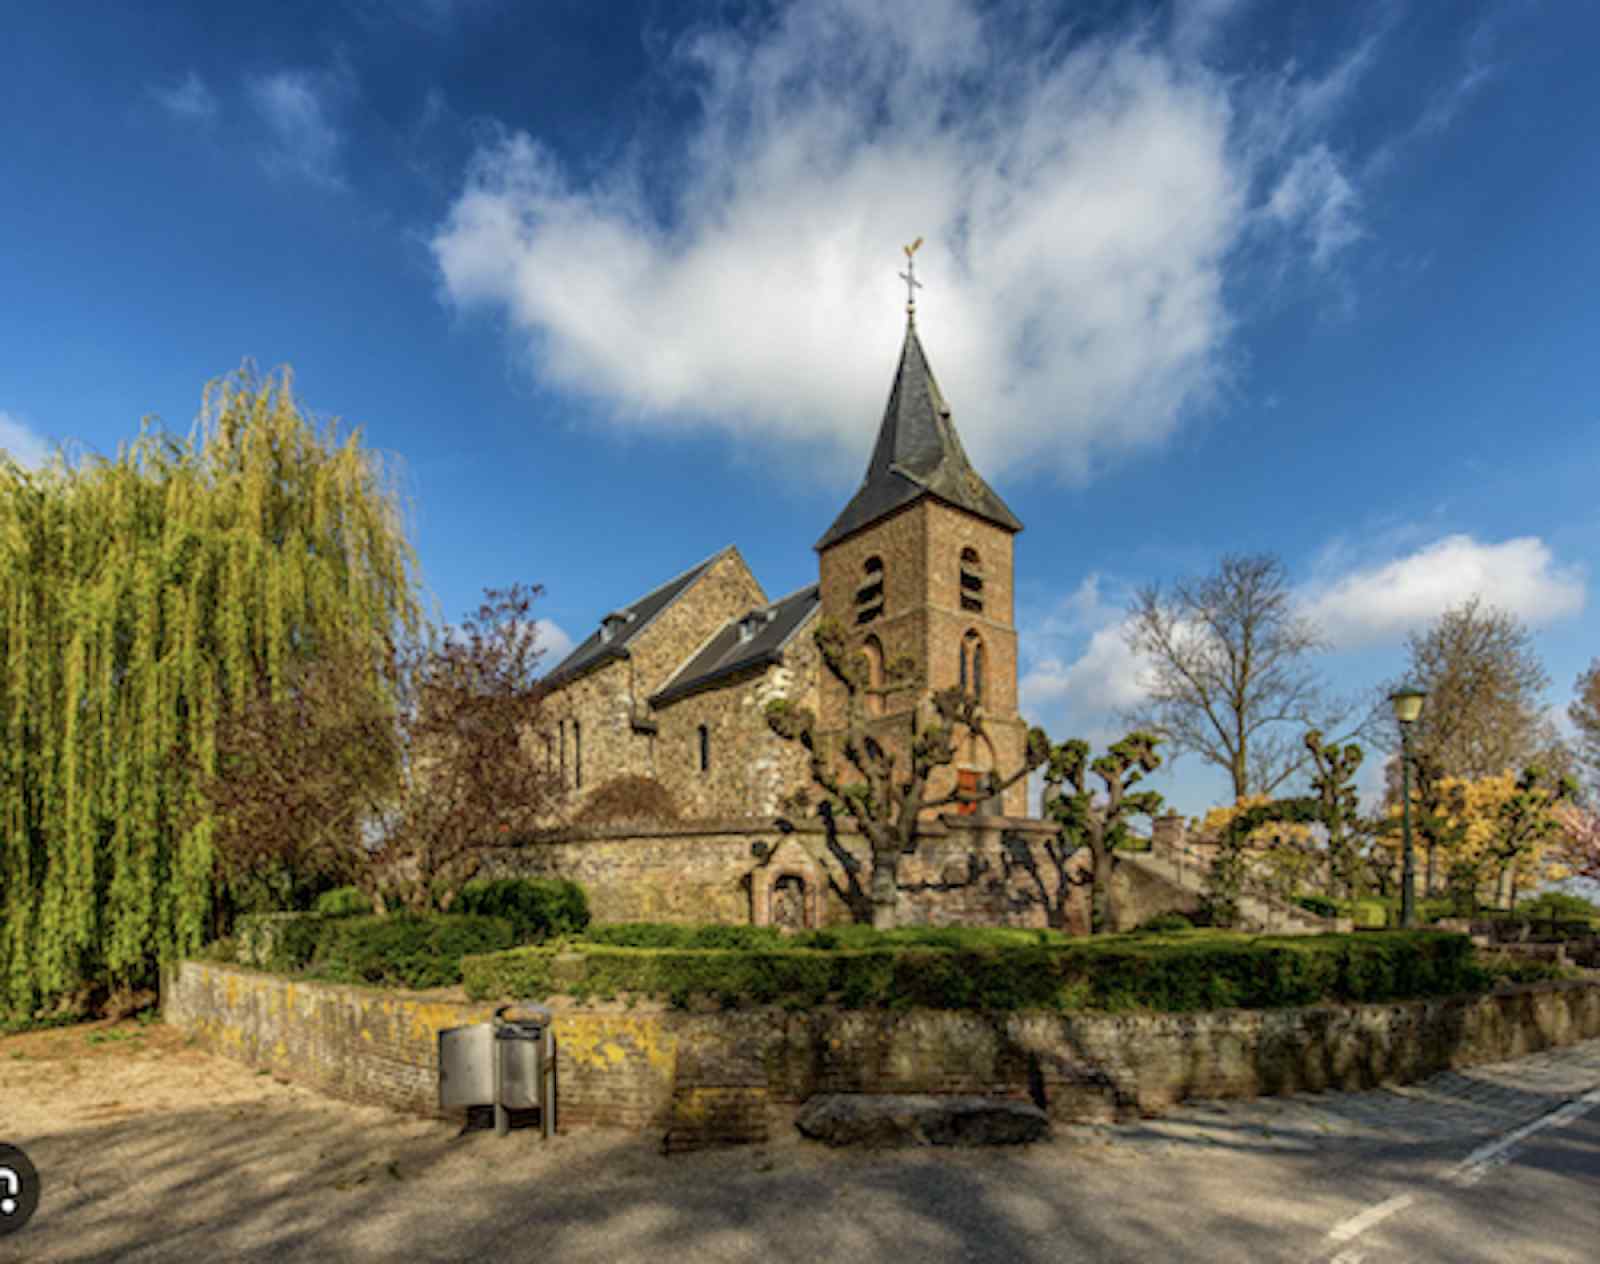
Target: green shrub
<point x="1321" y="905"/>
<point x="1369" y="914"/>
<point x="1559" y="906"/>
<point x="1504" y="967"/>
<point x="343" y="902"/>
<point x="281" y="942"/>
<point x="1190" y="972"/>
<point x="537" y="908"/>
<point x="405" y="951"/>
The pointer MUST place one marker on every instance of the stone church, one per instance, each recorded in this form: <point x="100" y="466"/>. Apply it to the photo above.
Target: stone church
<point x="673" y="685"/>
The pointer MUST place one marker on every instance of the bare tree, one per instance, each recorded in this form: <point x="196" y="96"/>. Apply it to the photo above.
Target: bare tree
<point x="1227" y="672"/>
<point x="1585" y="716"/>
<point x="892" y="792"/>
<point x="1484" y="679"/>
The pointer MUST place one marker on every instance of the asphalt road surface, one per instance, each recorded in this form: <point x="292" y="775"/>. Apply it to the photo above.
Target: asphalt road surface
<point x="1497" y="1163"/>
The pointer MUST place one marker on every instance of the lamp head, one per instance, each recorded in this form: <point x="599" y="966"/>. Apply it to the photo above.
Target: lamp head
<point x="1407" y="703"/>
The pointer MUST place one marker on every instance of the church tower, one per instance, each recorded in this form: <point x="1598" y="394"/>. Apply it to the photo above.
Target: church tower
<point x="919" y="564"/>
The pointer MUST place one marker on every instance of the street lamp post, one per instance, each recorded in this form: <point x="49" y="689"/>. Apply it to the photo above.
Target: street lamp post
<point x="1407" y="704"/>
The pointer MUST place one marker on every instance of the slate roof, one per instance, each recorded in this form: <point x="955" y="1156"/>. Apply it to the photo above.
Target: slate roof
<point x="727" y="653"/>
<point x="918" y="454"/>
<point x="627" y="622"/>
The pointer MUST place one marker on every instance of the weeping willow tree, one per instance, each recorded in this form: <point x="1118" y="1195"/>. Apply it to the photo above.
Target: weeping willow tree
<point x="141" y="599"/>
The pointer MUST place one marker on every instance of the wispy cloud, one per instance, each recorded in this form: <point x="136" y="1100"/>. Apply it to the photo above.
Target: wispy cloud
<point x="299" y="108"/>
<point x="188" y="99"/>
<point x="25" y="446"/>
<point x="1082" y="205"/>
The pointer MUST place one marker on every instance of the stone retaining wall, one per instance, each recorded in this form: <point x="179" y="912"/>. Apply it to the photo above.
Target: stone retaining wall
<point x="704" y="1078"/>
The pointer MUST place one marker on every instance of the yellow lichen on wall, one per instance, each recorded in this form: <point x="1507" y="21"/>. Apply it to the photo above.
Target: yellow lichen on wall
<point x="607" y="1041"/>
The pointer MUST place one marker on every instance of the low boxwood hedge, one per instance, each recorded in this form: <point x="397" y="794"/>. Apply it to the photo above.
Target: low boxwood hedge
<point x="398" y="950"/>
<point x="1184" y="971"/>
<point x="537" y="908"/>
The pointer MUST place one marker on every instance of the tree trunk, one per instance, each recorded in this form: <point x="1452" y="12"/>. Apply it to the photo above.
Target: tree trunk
<point x="1103" y="919"/>
<point x="885" y="888"/>
<point x="1427" y="881"/>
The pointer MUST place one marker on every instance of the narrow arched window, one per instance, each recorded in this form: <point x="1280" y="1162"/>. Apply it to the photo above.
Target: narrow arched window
<point x="971" y="581"/>
<point x="577" y="756"/>
<point x="872" y="654"/>
<point x="869" y="597"/>
<point x="704" y="735"/>
<point x="972" y="666"/>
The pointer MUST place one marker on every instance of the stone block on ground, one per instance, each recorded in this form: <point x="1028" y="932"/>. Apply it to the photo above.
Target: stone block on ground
<point x="908" y="1119"/>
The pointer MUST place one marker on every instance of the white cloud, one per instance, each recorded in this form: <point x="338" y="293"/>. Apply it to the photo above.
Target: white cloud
<point x="553" y="640"/>
<point x="1387" y="600"/>
<point x="27" y="448"/>
<point x="1081" y="206"/>
<point x="298" y="108"/>
<point x="188" y="100"/>
<point x="1103" y="679"/>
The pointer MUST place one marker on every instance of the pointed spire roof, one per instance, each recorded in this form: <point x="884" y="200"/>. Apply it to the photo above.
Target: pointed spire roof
<point x="918" y="454"/>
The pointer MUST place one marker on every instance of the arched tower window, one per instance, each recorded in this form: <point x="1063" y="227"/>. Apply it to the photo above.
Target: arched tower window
<point x="704" y="736"/>
<point x="869" y="597"/>
<point x="872" y="655"/>
<point x="577" y="756"/>
<point x="972" y="665"/>
<point x="971" y="581"/>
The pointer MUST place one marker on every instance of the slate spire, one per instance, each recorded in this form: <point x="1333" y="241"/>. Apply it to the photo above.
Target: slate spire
<point x="918" y="454"/>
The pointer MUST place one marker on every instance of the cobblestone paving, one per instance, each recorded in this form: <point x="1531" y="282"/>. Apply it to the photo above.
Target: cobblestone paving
<point x="1451" y="1106"/>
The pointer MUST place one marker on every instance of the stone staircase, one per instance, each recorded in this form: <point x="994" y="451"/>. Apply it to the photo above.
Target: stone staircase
<point x="1185" y="869"/>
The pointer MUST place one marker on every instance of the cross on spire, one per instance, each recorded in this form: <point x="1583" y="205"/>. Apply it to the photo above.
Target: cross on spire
<point x="909" y="276"/>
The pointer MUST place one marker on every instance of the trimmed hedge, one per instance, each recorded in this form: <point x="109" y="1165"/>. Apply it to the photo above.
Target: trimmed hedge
<point x="1171" y="973"/>
<point x="402" y="951"/>
<point x="537" y="908"/>
<point x="398" y="950"/>
<point x="343" y="902"/>
<point x="679" y="935"/>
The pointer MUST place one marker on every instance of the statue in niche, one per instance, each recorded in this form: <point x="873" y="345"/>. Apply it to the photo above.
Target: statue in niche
<point x="789" y="902"/>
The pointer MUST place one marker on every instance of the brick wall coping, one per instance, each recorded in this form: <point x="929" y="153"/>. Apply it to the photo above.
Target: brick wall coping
<point x="716" y="826"/>
<point x="709" y="1077"/>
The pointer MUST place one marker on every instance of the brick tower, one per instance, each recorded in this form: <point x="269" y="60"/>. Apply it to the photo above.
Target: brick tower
<point x="919" y="563"/>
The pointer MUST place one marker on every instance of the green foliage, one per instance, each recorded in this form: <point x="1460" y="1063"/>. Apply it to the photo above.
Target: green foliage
<point x="280" y="942"/>
<point x="1559" y="906"/>
<point x="142" y="598"/>
<point x="537" y="908"/>
<point x="1504" y="968"/>
<point x="404" y="951"/>
<point x="343" y="902"/>
<point x="1318" y="904"/>
<point x="1187" y="971"/>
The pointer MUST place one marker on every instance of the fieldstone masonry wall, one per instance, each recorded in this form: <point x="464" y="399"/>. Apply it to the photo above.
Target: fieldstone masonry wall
<point x="706" y="1078"/>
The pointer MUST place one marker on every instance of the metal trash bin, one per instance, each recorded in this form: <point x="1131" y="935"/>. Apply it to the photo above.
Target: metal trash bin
<point x="508" y="1063"/>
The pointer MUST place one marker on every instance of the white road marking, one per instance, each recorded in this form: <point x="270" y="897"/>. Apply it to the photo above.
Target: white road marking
<point x="1359" y="1224"/>
<point x="1468" y="1172"/>
<point x="1471" y="1169"/>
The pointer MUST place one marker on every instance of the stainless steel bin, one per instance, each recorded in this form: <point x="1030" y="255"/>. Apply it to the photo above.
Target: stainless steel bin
<point x="508" y="1063"/>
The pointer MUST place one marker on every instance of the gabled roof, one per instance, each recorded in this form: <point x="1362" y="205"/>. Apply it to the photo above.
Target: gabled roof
<point x="918" y="454"/>
<point x="755" y="639"/>
<point x="619" y="628"/>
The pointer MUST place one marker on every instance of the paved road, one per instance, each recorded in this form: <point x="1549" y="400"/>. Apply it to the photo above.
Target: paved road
<point x="1499" y="1163"/>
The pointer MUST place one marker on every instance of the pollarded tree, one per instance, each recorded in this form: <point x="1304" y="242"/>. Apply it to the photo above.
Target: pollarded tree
<point x="892" y="791"/>
<point x="1339" y="810"/>
<point x="141" y="600"/>
<point x="1099" y="824"/>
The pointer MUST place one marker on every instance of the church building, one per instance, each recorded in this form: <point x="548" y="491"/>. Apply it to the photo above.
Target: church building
<point x="673" y="685"/>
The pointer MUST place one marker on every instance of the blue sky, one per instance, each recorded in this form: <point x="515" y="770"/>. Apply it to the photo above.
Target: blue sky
<point x="616" y="284"/>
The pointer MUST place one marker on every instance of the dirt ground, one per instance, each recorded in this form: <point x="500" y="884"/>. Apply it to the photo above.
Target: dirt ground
<point x="151" y="1150"/>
